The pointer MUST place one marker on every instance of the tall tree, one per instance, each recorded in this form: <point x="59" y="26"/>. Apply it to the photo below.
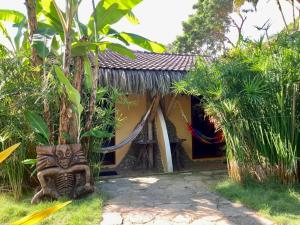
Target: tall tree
<point x="204" y="31"/>
<point x="65" y="110"/>
<point x="36" y="60"/>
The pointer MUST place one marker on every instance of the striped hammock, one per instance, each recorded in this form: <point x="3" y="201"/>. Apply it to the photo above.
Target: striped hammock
<point x="131" y="137"/>
<point x="218" y="139"/>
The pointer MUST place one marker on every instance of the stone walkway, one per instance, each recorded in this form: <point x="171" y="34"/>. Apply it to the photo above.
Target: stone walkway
<point x="172" y="199"/>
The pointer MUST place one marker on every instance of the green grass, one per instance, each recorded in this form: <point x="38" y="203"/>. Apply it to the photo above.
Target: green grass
<point x="279" y="203"/>
<point x="80" y="212"/>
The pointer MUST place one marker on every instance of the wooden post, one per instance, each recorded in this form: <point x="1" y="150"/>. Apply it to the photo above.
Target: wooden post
<point x="170" y="105"/>
<point x="150" y="146"/>
<point x="150" y="130"/>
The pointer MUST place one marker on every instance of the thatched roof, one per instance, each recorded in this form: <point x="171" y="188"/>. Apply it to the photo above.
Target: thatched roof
<point x="148" y="72"/>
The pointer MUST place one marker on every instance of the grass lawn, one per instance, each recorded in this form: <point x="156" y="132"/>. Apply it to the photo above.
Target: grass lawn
<point x="79" y="212"/>
<point x="279" y="203"/>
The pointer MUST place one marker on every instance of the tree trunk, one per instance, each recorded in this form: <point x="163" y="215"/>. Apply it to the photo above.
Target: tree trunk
<point x="92" y="100"/>
<point x="32" y="26"/>
<point x="36" y="60"/>
<point x="294" y="16"/>
<point x="65" y="110"/>
<point x="77" y="82"/>
<point x="282" y="15"/>
<point x="95" y="71"/>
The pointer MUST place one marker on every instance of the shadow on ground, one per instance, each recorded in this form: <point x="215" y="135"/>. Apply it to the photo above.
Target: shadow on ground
<point x="172" y="199"/>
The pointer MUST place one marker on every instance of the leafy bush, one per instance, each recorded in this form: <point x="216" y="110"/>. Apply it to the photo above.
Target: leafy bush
<point x="253" y="92"/>
<point x="20" y="88"/>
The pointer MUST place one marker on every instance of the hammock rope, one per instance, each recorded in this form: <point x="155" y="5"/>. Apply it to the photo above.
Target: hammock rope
<point x="132" y="136"/>
<point x="219" y="138"/>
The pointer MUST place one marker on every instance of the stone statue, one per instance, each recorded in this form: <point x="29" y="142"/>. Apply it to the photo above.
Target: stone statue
<point x="62" y="171"/>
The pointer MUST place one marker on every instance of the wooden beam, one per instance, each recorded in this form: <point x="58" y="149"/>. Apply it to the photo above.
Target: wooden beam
<point x="154" y="109"/>
<point x="150" y="146"/>
<point x="170" y="106"/>
<point x="150" y="130"/>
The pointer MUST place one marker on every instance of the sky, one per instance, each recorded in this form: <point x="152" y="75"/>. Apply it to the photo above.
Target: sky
<point x="161" y="20"/>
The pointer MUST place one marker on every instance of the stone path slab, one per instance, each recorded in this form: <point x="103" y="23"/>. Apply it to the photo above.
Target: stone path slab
<point x="172" y="200"/>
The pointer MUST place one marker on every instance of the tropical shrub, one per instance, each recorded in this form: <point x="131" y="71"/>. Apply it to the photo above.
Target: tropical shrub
<point x="253" y="93"/>
<point x="19" y="90"/>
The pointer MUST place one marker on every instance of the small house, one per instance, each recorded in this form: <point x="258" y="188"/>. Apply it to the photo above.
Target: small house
<point x="165" y="141"/>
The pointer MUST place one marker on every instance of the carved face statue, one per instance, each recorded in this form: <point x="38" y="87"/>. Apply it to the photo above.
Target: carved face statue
<point x="64" y="154"/>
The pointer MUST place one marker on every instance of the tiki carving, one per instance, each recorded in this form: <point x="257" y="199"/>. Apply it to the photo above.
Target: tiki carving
<point x="62" y="171"/>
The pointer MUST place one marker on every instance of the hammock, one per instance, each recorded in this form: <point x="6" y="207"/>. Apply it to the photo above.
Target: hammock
<point x="219" y="138"/>
<point x="131" y="137"/>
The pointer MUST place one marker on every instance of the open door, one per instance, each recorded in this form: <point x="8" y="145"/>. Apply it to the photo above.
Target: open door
<point x="202" y="123"/>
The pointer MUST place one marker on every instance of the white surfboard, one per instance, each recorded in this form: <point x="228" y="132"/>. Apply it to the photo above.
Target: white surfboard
<point x="163" y="141"/>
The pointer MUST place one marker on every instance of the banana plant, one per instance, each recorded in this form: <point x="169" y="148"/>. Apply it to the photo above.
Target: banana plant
<point x="98" y="36"/>
<point x="19" y="21"/>
<point x="60" y="32"/>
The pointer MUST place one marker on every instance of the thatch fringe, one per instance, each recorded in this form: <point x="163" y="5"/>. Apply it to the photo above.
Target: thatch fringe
<point x="140" y="81"/>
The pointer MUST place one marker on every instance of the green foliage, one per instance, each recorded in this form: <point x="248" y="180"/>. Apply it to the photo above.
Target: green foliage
<point x="47" y="10"/>
<point x="88" y="74"/>
<point x="109" y="12"/>
<point x="20" y="87"/>
<point x="106" y="119"/>
<point x="253" y="92"/>
<point x="204" y="31"/>
<point x="39" y="42"/>
<point x="39" y="126"/>
<point x="82" y="48"/>
<point x="142" y="42"/>
<point x="132" y="18"/>
<point x="97" y="133"/>
<point x="73" y="94"/>
<point x="11" y="16"/>
<point x="279" y="203"/>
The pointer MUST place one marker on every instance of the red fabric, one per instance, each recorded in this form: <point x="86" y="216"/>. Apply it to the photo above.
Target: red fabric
<point x="219" y="138"/>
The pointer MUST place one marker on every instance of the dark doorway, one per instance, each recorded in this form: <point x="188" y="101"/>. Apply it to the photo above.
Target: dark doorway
<point x="202" y="123"/>
<point x="107" y="104"/>
<point x="109" y="158"/>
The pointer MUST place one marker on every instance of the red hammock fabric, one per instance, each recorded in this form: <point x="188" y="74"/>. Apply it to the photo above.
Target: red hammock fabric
<point x="219" y="138"/>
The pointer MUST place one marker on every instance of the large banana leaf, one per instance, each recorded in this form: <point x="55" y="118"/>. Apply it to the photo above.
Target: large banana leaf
<point x="39" y="42"/>
<point x="109" y="12"/>
<point x="47" y="10"/>
<point x="7" y="152"/>
<point x="132" y="18"/>
<point x="38" y="124"/>
<point x="18" y="36"/>
<point x="36" y="217"/>
<point x="11" y="16"/>
<point x="88" y="80"/>
<point x="81" y="48"/>
<point x="5" y="33"/>
<point x="72" y="93"/>
<point x="142" y="42"/>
